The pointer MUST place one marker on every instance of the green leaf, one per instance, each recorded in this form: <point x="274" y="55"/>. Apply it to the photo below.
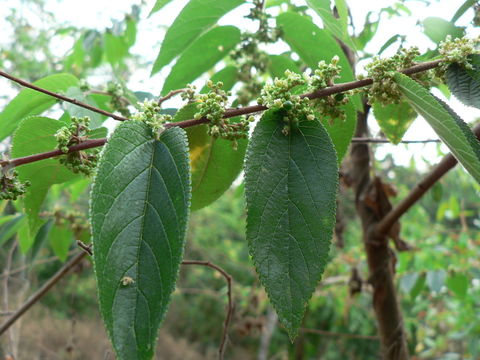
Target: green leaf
<point x="465" y="83"/>
<point x="280" y="63"/>
<point x="96" y="119"/>
<point x="419" y="285"/>
<point x="436" y="279"/>
<point x="462" y="9"/>
<point x="394" y="119"/>
<point x="458" y="284"/>
<point x="341" y="132"/>
<point x="39" y="240"/>
<point x="194" y="19"/>
<point x="35" y="135"/>
<point x="214" y="163"/>
<point x="115" y="48"/>
<point x="159" y="4"/>
<point x="437" y="29"/>
<point x="30" y="102"/>
<point x="228" y="75"/>
<point x="369" y="30"/>
<point x="453" y="131"/>
<point x="9" y="226"/>
<point x="139" y="211"/>
<point x="408" y="281"/>
<point x="61" y="237"/>
<point x="313" y="44"/>
<point x="201" y="56"/>
<point x="290" y="188"/>
<point x="337" y="27"/>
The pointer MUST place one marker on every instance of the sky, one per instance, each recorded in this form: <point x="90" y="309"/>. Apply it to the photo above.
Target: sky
<point x="99" y="14"/>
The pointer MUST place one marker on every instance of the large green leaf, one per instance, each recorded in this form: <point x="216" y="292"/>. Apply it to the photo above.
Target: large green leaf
<point x="159" y="4"/>
<point x="290" y="187"/>
<point x="462" y="9"/>
<point x="437" y="29"/>
<point x="454" y="132"/>
<point x="313" y="44"/>
<point x="341" y="132"/>
<point x="228" y="75"/>
<point x="394" y="119"/>
<point x="195" y="18"/>
<point x="280" y="63"/>
<point x="61" y="238"/>
<point x="30" y="102"/>
<point x="465" y="83"/>
<point x="214" y="163"/>
<point x="139" y="210"/>
<point x="336" y="26"/>
<point x="35" y="135"/>
<point x="201" y="56"/>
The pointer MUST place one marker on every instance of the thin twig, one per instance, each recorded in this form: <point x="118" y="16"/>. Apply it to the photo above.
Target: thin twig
<point x="39" y="262"/>
<point x="62" y="97"/>
<point x="339" y="334"/>
<point x="229" y="113"/>
<point x="228" y="278"/>
<point x="169" y="96"/>
<point x="42" y="291"/>
<point x="85" y="247"/>
<point x="447" y="163"/>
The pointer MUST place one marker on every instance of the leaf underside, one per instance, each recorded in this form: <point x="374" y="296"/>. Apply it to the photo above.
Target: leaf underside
<point x="139" y="210"/>
<point x="453" y="131"/>
<point x="465" y="83"/>
<point x="290" y="187"/>
<point x="394" y="119"/>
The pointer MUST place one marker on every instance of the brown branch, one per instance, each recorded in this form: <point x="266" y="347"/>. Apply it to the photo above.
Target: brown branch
<point x="169" y="96"/>
<point x="447" y="163"/>
<point x="339" y="334"/>
<point x="62" y="97"/>
<point x="228" y="278"/>
<point x="88" y="144"/>
<point x="192" y="122"/>
<point x="42" y="291"/>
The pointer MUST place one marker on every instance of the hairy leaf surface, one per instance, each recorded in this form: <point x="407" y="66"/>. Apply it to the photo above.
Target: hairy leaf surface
<point x="394" y="119"/>
<point x="290" y="187"/>
<point x="201" y="56"/>
<point x="30" y="102"/>
<point x="139" y="211"/>
<point x="194" y="19"/>
<point x="465" y="83"/>
<point x="454" y="132"/>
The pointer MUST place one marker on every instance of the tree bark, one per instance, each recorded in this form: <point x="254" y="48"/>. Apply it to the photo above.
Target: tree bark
<point x="369" y="200"/>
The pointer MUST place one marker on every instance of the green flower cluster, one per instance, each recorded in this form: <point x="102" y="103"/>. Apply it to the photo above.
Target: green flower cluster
<point x="74" y="220"/>
<point x="384" y="89"/>
<point x="150" y="115"/>
<point x="456" y="51"/>
<point x="118" y="101"/>
<point x="324" y="76"/>
<point x="278" y="95"/>
<point x="10" y="187"/>
<point x="212" y="107"/>
<point x="75" y="133"/>
<point x="251" y="60"/>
